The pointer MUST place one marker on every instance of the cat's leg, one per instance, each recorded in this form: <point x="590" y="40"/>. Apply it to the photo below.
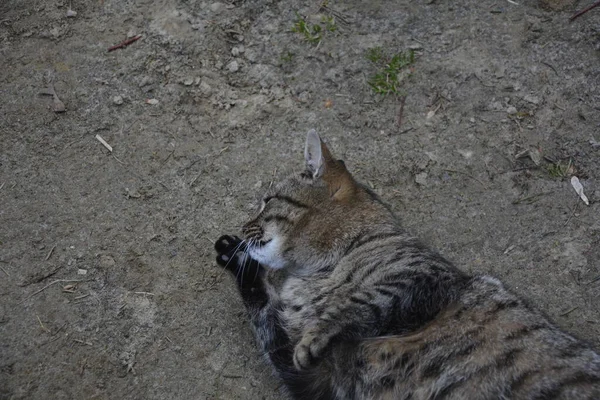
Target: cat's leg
<point x="261" y="300"/>
<point x="265" y="309"/>
<point x="355" y="316"/>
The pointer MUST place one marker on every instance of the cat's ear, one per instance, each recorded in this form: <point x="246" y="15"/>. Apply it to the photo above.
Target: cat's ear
<point x="321" y="164"/>
<point x="313" y="154"/>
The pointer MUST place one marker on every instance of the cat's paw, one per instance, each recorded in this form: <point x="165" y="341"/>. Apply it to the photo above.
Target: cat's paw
<point x="232" y="255"/>
<point x="309" y="349"/>
<point x="227" y="246"/>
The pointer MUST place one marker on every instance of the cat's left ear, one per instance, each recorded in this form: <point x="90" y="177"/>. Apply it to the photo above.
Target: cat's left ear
<point x="321" y="164"/>
<point x="313" y="154"/>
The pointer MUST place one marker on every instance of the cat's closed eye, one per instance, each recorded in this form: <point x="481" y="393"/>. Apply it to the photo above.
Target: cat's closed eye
<point x="263" y="203"/>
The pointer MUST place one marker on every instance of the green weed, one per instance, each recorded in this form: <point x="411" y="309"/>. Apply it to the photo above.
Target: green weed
<point x="387" y="80"/>
<point x="287" y="57"/>
<point x="311" y="33"/>
<point x="329" y="23"/>
<point x="375" y="54"/>
<point x="560" y="170"/>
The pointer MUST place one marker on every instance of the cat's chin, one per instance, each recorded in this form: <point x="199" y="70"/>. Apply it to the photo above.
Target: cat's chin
<point x="268" y="254"/>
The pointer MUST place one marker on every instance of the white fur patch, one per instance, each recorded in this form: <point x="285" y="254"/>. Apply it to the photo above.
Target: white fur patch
<point x="491" y="280"/>
<point x="269" y="255"/>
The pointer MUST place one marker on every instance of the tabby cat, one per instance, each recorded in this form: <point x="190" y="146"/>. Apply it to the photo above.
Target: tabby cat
<point x="366" y="311"/>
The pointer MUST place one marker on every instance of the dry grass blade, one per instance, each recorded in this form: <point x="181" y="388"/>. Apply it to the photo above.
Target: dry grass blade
<point x="48" y="285"/>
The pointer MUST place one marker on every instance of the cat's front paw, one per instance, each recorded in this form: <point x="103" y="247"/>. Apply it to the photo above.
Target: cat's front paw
<point x="309" y="349"/>
<point x="227" y="246"/>
<point x="232" y="255"/>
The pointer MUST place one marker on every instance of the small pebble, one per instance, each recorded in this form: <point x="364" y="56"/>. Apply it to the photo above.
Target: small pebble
<point x="71" y="13"/>
<point x="236" y="51"/>
<point x="233" y="66"/>
<point x="304" y="97"/>
<point x="511" y="110"/>
<point x="531" y="99"/>
<point x="146" y="80"/>
<point x="188" y="81"/>
<point x="205" y="88"/>
<point x="421" y="178"/>
<point x="118" y="100"/>
<point x="216" y="7"/>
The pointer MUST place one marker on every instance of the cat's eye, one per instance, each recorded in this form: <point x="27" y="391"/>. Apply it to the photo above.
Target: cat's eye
<point x="264" y="202"/>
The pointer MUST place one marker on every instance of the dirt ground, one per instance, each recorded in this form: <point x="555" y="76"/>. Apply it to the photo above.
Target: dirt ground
<point x="108" y="285"/>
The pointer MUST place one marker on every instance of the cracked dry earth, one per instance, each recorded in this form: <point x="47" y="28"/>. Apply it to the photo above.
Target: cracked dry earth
<point x="108" y="287"/>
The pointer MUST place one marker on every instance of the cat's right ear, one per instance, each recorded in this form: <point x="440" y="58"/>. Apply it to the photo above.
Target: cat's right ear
<point x="313" y="154"/>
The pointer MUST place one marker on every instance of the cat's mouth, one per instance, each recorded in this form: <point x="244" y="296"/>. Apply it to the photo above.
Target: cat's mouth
<point x="262" y="243"/>
<point x="267" y="252"/>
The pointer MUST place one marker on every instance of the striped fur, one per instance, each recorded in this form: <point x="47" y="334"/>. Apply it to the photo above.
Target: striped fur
<point x="365" y="311"/>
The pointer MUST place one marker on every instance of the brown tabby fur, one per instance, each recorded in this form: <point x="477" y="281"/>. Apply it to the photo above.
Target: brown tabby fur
<point x="368" y="312"/>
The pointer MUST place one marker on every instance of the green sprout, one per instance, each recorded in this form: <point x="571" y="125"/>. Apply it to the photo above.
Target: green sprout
<point x="386" y="80"/>
<point x="312" y="33"/>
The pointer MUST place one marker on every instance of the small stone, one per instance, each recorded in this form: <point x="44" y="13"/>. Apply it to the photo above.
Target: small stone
<point x="235" y="51"/>
<point x="251" y="55"/>
<point x="188" y="81"/>
<point x="107" y="261"/>
<point x="465" y="153"/>
<point x="415" y="47"/>
<point x="130" y="34"/>
<point x="496" y="106"/>
<point x="118" y="100"/>
<point x="304" y="97"/>
<point x="205" y="88"/>
<point x="197" y="80"/>
<point x="55" y="32"/>
<point x="146" y="80"/>
<point x="233" y="66"/>
<point x="511" y="110"/>
<point x="82" y="271"/>
<point x="421" y="178"/>
<point x="216" y="7"/>
<point x="531" y="99"/>
<point x="71" y="13"/>
<point x="152" y="102"/>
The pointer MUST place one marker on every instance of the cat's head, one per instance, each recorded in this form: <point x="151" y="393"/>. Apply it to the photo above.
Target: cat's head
<point x="309" y="220"/>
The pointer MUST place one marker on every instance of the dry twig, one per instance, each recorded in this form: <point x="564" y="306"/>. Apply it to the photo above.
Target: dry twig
<point x="466" y="174"/>
<point x="42" y="325"/>
<point x="50" y="253"/>
<point x="125" y="43"/>
<point x="569" y="311"/>
<point x="580" y="13"/>
<point x="50" y="284"/>
<point x="400" y="112"/>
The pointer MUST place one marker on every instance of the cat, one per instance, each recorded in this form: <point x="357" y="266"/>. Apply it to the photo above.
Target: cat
<point x="366" y="311"/>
